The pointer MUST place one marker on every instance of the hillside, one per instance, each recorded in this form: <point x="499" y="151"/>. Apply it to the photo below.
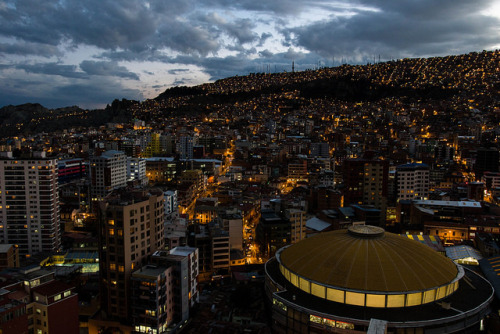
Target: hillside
<point x="460" y="81"/>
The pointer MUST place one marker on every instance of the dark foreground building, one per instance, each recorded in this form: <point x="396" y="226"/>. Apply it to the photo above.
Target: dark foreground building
<point x="338" y="281"/>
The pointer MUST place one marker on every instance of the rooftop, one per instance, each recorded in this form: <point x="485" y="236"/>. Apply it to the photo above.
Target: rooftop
<point x="368" y="259"/>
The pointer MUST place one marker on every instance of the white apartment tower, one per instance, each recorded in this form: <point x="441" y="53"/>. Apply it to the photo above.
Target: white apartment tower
<point x="412" y="181"/>
<point x="136" y="170"/>
<point x="107" y="172"/>
<point x="29" y="203"/>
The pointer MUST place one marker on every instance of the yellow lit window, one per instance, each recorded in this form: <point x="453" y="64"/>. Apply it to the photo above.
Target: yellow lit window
<point x="294" y="279"/>
<point x="335" y="295"/>
<point x="354" y="298"/>
<point x="318" y="290"/>
<point x="395" y="300"/>
<point x="429" y="296"/>
<point x="304" y="285"/>
<point x="413" y="299"/>
<point x="375" y="300"/>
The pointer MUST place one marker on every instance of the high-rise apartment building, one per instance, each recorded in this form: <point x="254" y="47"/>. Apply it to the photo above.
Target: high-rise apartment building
<point x="152" y="299"/>
<point x="365" y="182"/>
<point x="29" y="203"/>
<point x="184" y="264"/>
<point x="412" y="181"/>
<point x="185" y="147"/>
<point x="131" y="228"/>
<point x="136" y="170"/>
<point x="297" y="220"/>
<point x="320" y="150"/>
<point x="107" y="172"/>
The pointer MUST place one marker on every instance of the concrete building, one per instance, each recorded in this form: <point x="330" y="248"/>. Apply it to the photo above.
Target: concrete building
<point x="412" y="181"/>
<point x="320" y="150"/>
<point x="159" y="169"/>
<point x="9" y="256"/>
<point x="71" y="169"/>
<point x="29" y="203"/>
<point x="55" y="308"/>
<point x="491" y="180"/>
<point x="297" y="220"/>
<point x="213" y="246"/>
<point x="183" y="262"/>
<point x="136" y="170"/>
<point x="366" y="182"/>
<point x="107" y="172"/>
<point x="272" y="232"/>
<point x="131" y="229"/>
<point x="185" y="147"/>
<point x="32" y="301"/>
<point x="152" y="299"/>
<point x="171" y="205"/>
<point x="232" y="222"/>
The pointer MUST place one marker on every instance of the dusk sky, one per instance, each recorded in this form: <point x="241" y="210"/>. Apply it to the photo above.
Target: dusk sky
<point x="90" y="52"/>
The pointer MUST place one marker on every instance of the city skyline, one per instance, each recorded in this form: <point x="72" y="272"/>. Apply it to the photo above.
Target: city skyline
<point x="71" y="53"/>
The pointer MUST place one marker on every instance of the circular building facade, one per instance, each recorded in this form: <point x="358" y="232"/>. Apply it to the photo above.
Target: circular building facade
<point x="345" y="278"/>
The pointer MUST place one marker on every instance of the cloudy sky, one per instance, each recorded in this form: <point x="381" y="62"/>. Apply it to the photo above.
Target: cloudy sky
<point x="89" y="52"/>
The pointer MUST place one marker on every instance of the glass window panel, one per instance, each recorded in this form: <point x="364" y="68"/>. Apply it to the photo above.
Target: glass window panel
<point x="429" y="296"/>
<point x="329" y="322"/>
<point x="304" y="285"/>
<point x="441" y="292"/>
<point x="294" y="279"/>
<point x="318" y="290"/>
<point x="395" y="300"/>
<point x="354" y="298"/>
<point x="335" y="295"/>
<point x="413" y="299"/>
<point x="315" y="319"/>
<point x="375" y="300"/>
<point x="449" y="289"/>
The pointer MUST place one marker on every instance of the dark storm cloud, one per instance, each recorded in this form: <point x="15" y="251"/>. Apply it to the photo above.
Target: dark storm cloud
<point x="81" y="92"/>
<point x="401" y="28"/>
<point x="241" y="29"/>
<point x="222" y="67"/>
<point x="24" y="49"/>
<point x="142" y="28"/>
<point x="68" y="71"/>
<point x="266" y="54"/>
<point x="178" y="71"/>
<point x="126" y="24"/>
<point x="187" y="38"/>
<point x="107" y="68"/>
<point x="106" y="24"/>
<point x="281" y="7"/>
<point x="219" y="37"/>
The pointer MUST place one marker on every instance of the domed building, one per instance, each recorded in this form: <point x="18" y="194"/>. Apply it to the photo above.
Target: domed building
<point x="343" y="279"/>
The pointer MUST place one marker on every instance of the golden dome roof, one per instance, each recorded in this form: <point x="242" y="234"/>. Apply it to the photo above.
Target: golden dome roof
<point x="365" y="258"/>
